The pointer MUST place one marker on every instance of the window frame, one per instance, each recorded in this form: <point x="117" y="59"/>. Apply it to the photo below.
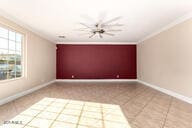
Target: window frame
<point x="23" y="50"/>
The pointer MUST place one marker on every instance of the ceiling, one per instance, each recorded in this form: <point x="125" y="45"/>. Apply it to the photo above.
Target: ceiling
<point x="52" y="18"/>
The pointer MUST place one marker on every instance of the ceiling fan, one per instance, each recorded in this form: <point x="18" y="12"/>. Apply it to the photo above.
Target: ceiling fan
<point x="101" y="27"/>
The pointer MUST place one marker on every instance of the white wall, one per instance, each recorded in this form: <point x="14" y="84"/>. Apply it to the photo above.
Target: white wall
<point x="165" y="60"/>
<point x="40" y="62"/>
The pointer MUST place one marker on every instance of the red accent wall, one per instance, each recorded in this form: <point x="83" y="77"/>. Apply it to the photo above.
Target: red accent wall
<point x="96" y="61"/>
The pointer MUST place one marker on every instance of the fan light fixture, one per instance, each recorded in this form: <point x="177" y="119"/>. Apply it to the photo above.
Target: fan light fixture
<point x="101" y="27"/>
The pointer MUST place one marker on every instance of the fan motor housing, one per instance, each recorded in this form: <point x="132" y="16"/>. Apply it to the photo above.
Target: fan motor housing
<point x="102" y="31"/>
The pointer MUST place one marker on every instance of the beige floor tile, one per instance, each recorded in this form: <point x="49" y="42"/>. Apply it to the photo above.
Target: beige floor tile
<point x="74" y="106"/>
<point x="38" y="107"/>
<point x="113" y="111"/>
<point x="43" y="103"/>
<point x="177" y="124"/>
<point x="7" y="111"/>
<point x="149" y="120"/>
<point x="58" y="104"/>
<point x="91" y="122"/>
<point x="76" y="102"/>
<point x="64" y="101"/>
<point x="53" y="109"/>
<point x="89" y="114"/>
<point x="68" y="118"/>
<point x="23" y="103"/>
<point x="30" y="112"/>
<point x="58" y="124"/>
<point x="178" y="119"/>
<point x="40" y="123"/>
<point x="12" y="126"/>
<point x="131" y="110"/>
<point x="178" y="104"/>
<point x="71" y="112"/>
<point x="133" y="126"/>
<point x="115" y="118"/>
<point x="81" y="126"/>
<point x="92" y="104"/>
<point x="91" y="109"/>
<point x="48" y="99"/>
<point x="157" y="108"/>
<point x="110" y="106"/>
<point x="180" y="114"/>
<point x="23" y="119"/>
<point x="47" y="115"/>
<point x="110" y="124"/>
<point x="28" y="127"/>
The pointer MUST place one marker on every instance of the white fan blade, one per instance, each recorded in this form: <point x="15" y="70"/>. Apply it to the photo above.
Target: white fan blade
<point x="100" y="35"/>
<point x="86" y="25"/>
<point x="111" y="25"/>
<point x="82" y="30"/>
<point x="110" y="34"/>
<point x="81" y="34"/>
<point x="112" y="20"/>
<point x="113" y="30"/>
<point x="91" y="35"/>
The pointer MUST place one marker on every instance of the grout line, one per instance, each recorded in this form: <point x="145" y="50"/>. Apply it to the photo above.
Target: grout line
<point x="102" y="118"/>
<point x="71" y="115"/>
<point x="37" y="114"/>
<point x="102" y="114"/>
<point x="144" y="107"/>
<point x="59" y="114"/>
<point x="170" y="104"/>
<point x="133" y="97"/>
<point x="80" y="115"/>
<point x="121" y="93"/>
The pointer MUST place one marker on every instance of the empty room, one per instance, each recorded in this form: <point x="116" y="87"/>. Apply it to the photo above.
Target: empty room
<point x="95" y="63"/>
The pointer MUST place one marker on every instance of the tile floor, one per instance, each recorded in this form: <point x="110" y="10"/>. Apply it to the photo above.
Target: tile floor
<point x="96" y="105"/>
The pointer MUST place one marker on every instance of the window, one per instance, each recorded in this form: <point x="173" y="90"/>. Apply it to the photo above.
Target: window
<point x="10" y="54"/>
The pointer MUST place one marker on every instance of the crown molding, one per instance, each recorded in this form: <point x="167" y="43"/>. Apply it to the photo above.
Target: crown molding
<point x="25" y="26"/>
<point x="96" y="43"/>
<point x="170" y="25"/>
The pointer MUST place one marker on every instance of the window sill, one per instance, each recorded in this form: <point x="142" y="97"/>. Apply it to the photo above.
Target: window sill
<point x="11" y="80"/>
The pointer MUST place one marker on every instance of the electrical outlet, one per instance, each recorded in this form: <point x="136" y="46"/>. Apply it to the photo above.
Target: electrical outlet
<point x="72" y="76"/>
<point x="117" y="76"/>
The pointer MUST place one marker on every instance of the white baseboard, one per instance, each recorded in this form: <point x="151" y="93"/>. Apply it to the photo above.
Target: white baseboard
<point x="13" y="97"/>
<point x="168" y="92"/>
<point x="96" y="80"/>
